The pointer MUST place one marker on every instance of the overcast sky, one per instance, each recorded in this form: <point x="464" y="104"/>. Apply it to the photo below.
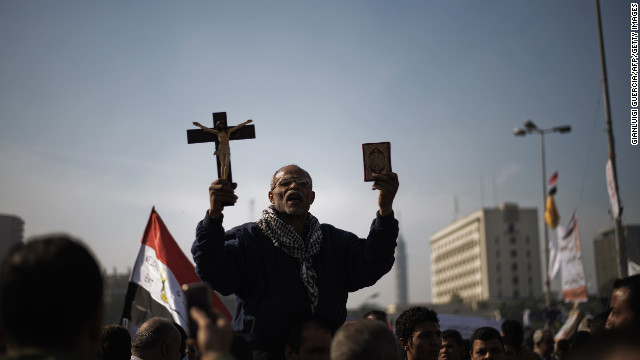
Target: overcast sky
<point x="96" y="98"/>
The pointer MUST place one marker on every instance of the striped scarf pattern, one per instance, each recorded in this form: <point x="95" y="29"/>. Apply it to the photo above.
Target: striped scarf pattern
<point x="285" y="238"/>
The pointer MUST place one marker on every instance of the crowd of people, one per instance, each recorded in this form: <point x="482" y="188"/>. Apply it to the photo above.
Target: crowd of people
<point x="291" y="276"/>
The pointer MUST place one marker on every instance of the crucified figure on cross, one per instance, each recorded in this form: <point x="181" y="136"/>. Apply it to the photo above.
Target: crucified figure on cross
<point x="224" y="151"/>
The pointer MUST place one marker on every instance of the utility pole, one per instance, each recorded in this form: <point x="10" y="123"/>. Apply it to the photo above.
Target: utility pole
<point x="620" y="245"/>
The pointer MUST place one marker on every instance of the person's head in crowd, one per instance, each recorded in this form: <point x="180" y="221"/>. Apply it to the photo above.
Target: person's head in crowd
<point x="453" y="346"/>
<point x="307" y="339"/>
<point x="376" y="315"/>
<point x="512" y="347"/>
<point x="543" y="343"/>
<point x="183" y="340"/>
<point x="625" y="304"/>
<point x="365" y="339"/>
<point x="115" y="343"/>
<point x="51" y="297"/>
<point x="513" y="329"/>
<point x="418" y="332"/>
<point x="157" y="339"/>
<point x="486" y="343"/>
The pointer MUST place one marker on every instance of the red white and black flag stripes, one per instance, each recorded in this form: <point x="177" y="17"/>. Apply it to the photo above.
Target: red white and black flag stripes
<point x="160" y="270"/>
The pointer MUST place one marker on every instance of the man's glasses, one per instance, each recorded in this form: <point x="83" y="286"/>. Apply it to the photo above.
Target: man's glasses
<point x="286" y="182"/>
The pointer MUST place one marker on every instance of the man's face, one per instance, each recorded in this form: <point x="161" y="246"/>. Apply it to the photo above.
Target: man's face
<point x="491" y="349"/>
<point x="621" y="315"/>
<point x="292" y="194"/>
<point x="316" y="344"/>
<point x="425" y="342"/>
<point x="450" y="350"/>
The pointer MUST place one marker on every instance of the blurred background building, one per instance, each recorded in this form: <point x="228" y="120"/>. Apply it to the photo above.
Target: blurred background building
<point x="493" y="253"/>
<point x="604" y="246"/>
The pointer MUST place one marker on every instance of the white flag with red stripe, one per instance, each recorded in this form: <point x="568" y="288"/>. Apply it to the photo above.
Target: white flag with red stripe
<point x="155" y="284"/>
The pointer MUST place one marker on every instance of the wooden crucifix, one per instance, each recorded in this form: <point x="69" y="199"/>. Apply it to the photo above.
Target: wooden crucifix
<point x="221" y="135"/>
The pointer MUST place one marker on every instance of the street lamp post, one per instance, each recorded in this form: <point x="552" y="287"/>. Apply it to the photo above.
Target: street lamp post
<point x="531" y="128"/>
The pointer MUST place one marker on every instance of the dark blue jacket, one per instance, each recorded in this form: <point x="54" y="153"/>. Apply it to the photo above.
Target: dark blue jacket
<point x="269" y="292"/>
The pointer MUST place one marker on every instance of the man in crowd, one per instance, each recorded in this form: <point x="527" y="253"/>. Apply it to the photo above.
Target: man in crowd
<point x="288" y="265"/>
<point x="625" y="305"/>
<point x="513" y="331"/>
<point x="157" y="339"/>
<point x="51" y="300"/>
<point x="452" y="346"/>
<point x="308" y="340"/>
<point x="486" y="344"/>
<point x="365" y="339"/>
<point x="543" y="342"/>
<point x="115" y="343"/>
<point x="418" y="332"/>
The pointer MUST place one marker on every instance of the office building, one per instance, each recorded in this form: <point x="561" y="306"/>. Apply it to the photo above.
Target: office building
<point x="606" y="260"/>
<point x="493" y="253"/>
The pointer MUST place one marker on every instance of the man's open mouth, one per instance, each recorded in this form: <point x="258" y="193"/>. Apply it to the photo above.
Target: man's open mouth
<point x="294" y="198"/>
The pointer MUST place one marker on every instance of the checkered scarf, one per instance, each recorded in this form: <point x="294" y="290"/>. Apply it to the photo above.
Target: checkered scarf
<point x="285" y="238"/>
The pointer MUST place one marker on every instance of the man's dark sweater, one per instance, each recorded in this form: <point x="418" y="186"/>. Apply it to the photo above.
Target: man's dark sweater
<point x="269" y="292"/>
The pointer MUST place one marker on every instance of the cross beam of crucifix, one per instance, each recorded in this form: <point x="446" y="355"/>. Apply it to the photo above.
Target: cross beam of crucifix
<point x="221" y="135"/>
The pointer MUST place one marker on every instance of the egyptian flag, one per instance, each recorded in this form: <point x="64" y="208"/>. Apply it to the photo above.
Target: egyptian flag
<point x="155" y="285"/>
<point x="551" y="216"/>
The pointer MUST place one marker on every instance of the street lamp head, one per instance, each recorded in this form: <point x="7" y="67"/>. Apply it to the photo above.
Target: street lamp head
<point x="563" y="129"/>
<point x="519" y="132"/>
<point x="530" y="125"/>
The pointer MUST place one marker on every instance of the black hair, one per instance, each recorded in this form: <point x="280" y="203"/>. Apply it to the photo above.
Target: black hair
<point x="513" y="328"/>
<point x="485" y="333"/>
<point x="115" y="343"/>
<point x="50" y="288"/>
<point x="407" y="321"/>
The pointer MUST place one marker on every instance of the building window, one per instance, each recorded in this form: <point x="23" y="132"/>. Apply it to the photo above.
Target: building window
<point x="526" y="240"/>
<point x="512" y="240"/>
<point x="498" y="267"/>
<point x="515" y="280"/>
<point x="498" y="253"/>
<point x="514" y="253"/>
<point x="528" y="253"/>
<point x="516" y="294"/>
<point x="528" y="266"/>
<point x="497" y="240"/>
<point x="499" y="280"/>
<point x="530" y="280"/>
<point x="511" y="229"/>
<point x="514" y="267"/>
